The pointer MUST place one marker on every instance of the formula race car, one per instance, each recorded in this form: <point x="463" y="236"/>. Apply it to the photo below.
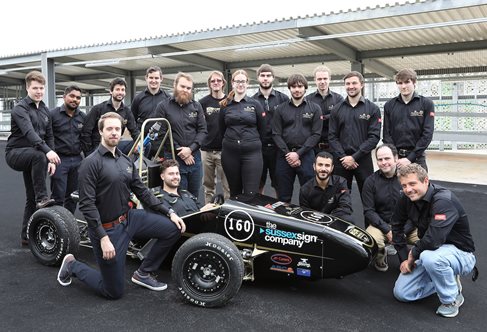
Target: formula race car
<point x="228" y="244"/>
<point x="239" y="239"/>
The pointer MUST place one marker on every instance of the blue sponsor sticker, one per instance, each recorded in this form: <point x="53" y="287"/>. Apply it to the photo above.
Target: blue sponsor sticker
<point x="303" y="272"/>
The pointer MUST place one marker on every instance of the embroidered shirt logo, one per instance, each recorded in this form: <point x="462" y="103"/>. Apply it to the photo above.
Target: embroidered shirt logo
<point x="364" y="116"/>
<point x="129" y="170"/>
<point x="307" y="115"/>
<point x="417" y="113"/>
<point x="249" y="109"/>
<point x="193" y="114"/>
<point x="212" y="110"/>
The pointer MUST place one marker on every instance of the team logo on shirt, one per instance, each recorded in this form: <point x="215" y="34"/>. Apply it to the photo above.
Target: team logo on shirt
<point x="249" y="109"/>
<point x="330" y="107"/>
<point x="331" y="200"/>
<point x="80" y="126"/>
<point x="193" y="114"/>
<point x="129" y="169"/>
<point x="307" y="115"/>
<point x="212" y="110"/>
<point x="416" y="113"/>
<point x="364" y="116"/>
<point x="124" y="122"/>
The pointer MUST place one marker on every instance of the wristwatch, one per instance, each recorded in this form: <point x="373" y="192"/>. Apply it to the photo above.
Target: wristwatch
<point x="171" y="211"/>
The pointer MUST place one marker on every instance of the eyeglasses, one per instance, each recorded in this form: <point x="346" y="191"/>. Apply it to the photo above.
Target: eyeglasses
<point x="216" y="81"/>
<point x="239" y="81"/>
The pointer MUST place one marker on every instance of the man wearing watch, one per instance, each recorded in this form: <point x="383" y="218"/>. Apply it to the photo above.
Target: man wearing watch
<point x="107" y="177"/>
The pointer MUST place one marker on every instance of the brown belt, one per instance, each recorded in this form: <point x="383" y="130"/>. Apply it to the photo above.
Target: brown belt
<point x="111" y="224"/>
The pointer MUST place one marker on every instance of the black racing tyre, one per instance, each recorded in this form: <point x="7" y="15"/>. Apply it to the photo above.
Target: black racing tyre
<point x="53" y="233"/>
<point x="208" y="270"/>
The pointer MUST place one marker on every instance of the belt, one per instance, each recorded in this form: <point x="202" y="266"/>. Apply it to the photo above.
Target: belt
<point x="403" y="152"/>
<point x="323" y="146"/>
<point x="111" y="224"/>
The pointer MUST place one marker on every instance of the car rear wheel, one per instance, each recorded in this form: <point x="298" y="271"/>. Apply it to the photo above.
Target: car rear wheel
<point x="53" y="233"/>
<point x="208" y="270"/>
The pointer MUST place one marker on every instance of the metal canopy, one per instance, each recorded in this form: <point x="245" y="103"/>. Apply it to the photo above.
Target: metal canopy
<point x="433" y="37"/>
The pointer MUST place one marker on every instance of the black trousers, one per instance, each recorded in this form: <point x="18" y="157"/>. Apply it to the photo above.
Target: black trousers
<point x="364" y="170"/>
<point x="33" y="165"/>
<point x="110" y="279"/>
<point x="269" y="164"/>
<point x="242" y="164"/>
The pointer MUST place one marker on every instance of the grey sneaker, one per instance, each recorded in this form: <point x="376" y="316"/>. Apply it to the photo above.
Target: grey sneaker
<point x="448" y="310"/>
<point x="381" y="266"/>
<point x="460" y="299"/>
<point x="148" y="281"/>
<point x="64" y="274"/>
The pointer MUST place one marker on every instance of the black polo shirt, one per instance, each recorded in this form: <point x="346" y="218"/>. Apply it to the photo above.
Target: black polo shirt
<point x="211" y="109"/>
<point x="67" y="130"/>
<point x="440" y="219"/>
<point x="30" y="126"/>
<point x="409" y="126"/>
<point x="243" y="120"/>
<point x="326" y="104"/>
<point x="354" y="130"/>
<point x="105" y="184"/>
<point x="90" y="136"/>
<point x="334" y="200"/>
<point x="379" y="197"/>
<point x="269" y="104"/>
<point x="188" y="123"/>
<point x="297" y="127"/>
<point x="182" y="203"/>
<point x="144" y="105"/>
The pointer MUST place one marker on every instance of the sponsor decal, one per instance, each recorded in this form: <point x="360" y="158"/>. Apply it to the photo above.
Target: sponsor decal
<point x="432" y="114"/>
<point x="304" y="263"/>
<point x="211" y="110"/>
<point x="281" y="259"/>
<point x="303" y="272"/>
<point x="416" y="113"/>
<point x="263" y="114"/>
<point x="272" y="234"/>
<point x="440" y="216"/>
<point x="239" y="225"/>
<point x="269" y="206"/>
<point x="358" y="234"/>
<point x="379" y="120"/>
<point x="364" y="116"/>
<point x="322" y="117"/>
<point x="312" y="216"/>
<point x="277" y="204"/>
<point x="280" y="268"/>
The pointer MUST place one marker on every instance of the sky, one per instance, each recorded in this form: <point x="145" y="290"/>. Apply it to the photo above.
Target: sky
<point x="32" y="25"/>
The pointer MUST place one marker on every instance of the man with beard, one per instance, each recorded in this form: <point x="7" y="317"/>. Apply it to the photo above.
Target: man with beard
<point x="30" y="147"/>
<point x="180" y="200"/>
<point x="354" y="132"/>
<point x="144" y="104"/>
<point x="90" y="136"/>
<point x="211" y="149"/>
<point x="326" y="192"/>
<point x="379" y="196"/>
<point x="107" y="178"/>
<point x="296" y="128"/>
<point x="327" y="99"/>
<point x="67" y="123"/>
<point x="409" y="121"/>
<point x="188" y="128"/>
<point x="269" y="98"/>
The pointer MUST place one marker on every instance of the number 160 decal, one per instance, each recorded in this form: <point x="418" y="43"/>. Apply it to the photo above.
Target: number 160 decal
<point x="239" y="225"/>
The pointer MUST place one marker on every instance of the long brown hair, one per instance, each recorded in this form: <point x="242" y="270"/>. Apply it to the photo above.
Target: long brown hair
<point x="231" y="95"/>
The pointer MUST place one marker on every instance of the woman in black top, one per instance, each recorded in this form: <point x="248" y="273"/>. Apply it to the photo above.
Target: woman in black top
<point x="242" y="125"/>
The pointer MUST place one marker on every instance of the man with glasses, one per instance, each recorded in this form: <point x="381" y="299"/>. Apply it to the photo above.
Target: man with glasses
<point x="67" y="122"/>
<point x="269" y="98"/>
<point x="211" y="148"/>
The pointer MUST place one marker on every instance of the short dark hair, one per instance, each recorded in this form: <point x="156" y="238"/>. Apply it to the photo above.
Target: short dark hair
<point x="405" y="75"/>
<point x="355" y="74"/>
<point x="153" y="69"/>
<point x="297" y="79"/>
<point x="390" y="146"/>
<point x="168" y="163"/>
<point x="265" y="68"/>
<point x="324" y="154"/>
<point x="72" y="88"/>
<point x="117" y="81"/>
<point x="108" y="115"/>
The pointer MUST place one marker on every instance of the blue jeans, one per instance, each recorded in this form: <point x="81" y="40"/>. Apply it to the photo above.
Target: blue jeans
<point x="109" y="281"/>
<point x="191" y="175"/>
<point x="435" y="272"/>
<point x="65" y="181"/>
<point x="287" y="174"/>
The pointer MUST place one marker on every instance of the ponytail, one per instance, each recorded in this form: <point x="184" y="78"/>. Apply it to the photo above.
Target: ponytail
<point x="229" y="98"/>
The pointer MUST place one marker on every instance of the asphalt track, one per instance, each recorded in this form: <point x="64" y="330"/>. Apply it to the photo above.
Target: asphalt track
<point x="32" y="300"/>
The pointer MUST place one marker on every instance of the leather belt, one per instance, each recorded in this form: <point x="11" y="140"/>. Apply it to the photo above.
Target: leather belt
<point x="403" y="152"/>
<point x="111" y="224"/>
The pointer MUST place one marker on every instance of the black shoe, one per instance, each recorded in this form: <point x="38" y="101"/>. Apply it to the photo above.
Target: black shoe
<point x="45" y="203"/>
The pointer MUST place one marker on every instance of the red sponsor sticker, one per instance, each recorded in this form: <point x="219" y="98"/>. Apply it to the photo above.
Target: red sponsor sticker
<point x="440" y="216"/>
<point x="322" y="117"/>
<point x="379" y="120"/>
<point x="263" y="114"/>
<point x="432" y="113"/>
